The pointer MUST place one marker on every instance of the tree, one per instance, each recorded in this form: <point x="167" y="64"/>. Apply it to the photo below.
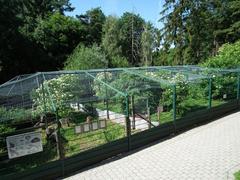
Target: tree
<point x="33" y="10"/>
<point x="226" y="20"/>
<point x="131" y="28"/>
<point x="147" y="42"/>
<point x="93" y="21"/>
<point x="86" y="58"/>
<point x="19" y="52"/>
<point x="196" y="29"/>
<point x="111" y="43"/>
<point x="59" y="35"/>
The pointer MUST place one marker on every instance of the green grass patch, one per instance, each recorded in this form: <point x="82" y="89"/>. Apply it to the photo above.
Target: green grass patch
<point x="164" y="117"/>
<point x="75" y="143"/>
<point x="112" y="106"/>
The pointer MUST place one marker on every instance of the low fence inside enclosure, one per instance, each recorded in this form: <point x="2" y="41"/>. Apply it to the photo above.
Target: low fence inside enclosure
<point x="57" y="116"/>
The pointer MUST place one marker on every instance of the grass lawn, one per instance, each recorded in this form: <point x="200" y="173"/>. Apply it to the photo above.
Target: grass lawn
<point x="75" y="143"/>
<point x="237" y="175"/>
<point x="164" y="117"/>
<point x="113" y="106"/>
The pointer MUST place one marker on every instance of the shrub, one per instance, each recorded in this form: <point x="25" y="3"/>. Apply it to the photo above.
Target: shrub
<point x="86" y="58"/>
<point x="60" y="92"/>
<point x="17" y="115"/>
<point x="228" y="57"/>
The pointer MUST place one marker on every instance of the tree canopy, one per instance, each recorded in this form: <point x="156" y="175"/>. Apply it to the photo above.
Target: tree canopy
<point x="39" y="36"/>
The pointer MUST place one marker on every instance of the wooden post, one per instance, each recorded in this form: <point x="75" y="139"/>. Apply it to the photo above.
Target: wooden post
<point x="60" y="150"/>
<point x="128" y="124"/>
<point x="133" y="112"/>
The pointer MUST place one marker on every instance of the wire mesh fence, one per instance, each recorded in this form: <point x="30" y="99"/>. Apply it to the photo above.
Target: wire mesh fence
<point x="75" y="111"/>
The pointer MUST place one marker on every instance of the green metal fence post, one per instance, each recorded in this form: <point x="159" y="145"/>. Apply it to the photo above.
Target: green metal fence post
<point x="44" y="99"/>
<point x="106" y="99"/>
<point x="238" y="87"/>
<point x="209" y="93"/>
<point x="133" y="112"/>
<point x="128" y="123"/>
<point x="174" y="106"/>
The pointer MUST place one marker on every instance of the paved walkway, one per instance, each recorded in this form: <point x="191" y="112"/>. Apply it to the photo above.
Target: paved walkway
<point x="208" y="152"/>
<point x="140" y="124"/>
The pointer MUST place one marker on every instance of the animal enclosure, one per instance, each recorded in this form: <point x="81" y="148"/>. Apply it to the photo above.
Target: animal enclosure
<point x="76" y="111"/>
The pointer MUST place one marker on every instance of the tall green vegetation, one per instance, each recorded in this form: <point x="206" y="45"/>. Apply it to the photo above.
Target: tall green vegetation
<point x="196" y="29"/>
<point x="86" y="58"/>
<point x="228" y="57"/>
<point x="147" y="41"/>
<point x="111" y="43"/>
<point x="38" y="36"/>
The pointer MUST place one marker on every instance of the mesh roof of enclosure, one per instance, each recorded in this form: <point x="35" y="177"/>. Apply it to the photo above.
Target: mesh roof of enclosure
<point x="141" y="78"/>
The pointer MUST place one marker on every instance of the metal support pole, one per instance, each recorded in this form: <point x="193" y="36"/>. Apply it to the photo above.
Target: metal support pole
<point x="22" y="94"/>
<point x="238" y="87"/>
<point x="44" y="98"/>
<point x="174" y="106"/>
<point x="209" y="93"/>
<point x="106" y="99"/>
<point x="133" y="112"/>
<point x="149" y="118"/>
<point x="128" y="124"/>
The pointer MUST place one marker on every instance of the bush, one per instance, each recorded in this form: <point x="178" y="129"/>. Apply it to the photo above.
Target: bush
<point x="228" y="57"/>
<point x="17" y="115"/>
<point x="60" y="92"/>
<point x="86" y="58"/>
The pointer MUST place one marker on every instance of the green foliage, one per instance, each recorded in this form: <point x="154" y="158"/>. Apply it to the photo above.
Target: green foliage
<point x="99" y="88"/>
<point x="17" y="115"/>
<point x="237" y="175"/>
<point x="59" y="92"/>
<point x="131" y="28"/>
<point x="119" y="61"/>
<point x="228" y="57"/>
<point x="133" y="85"/>
<point x="93" y="21"/>
<point x="5" y="129"/>
<point x="18" y="47"/>
<point x="86" y="58"/>
<point x="111" y="43"/>
<point x="198" y="28"/>
<point x="147" y="44"/>
<point x="164" y="57"/>
<point x="59" y="35"/>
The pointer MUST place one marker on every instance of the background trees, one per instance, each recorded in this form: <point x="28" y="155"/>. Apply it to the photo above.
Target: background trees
<point x="196" y="29"/>
<point x="36" y="35"/>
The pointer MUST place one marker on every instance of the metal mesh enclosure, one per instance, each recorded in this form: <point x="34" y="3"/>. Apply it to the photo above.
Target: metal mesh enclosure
<point x="75" y="111"/>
